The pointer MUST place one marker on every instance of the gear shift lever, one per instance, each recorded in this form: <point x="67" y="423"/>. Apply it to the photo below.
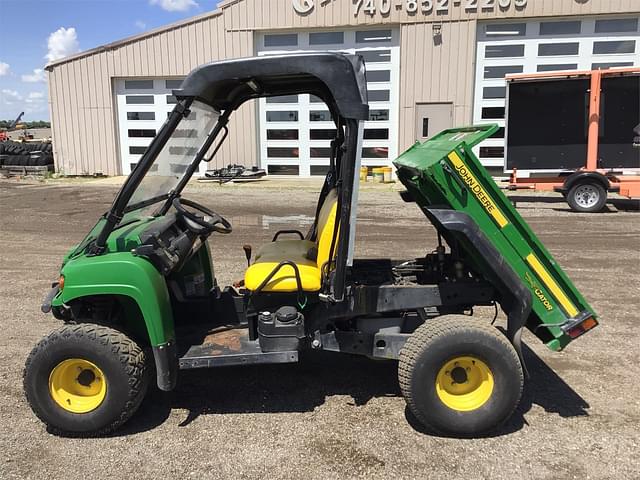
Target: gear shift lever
<point x="247" y="253"/>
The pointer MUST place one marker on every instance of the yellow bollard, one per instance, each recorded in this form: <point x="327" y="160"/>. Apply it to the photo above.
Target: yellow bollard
<point x="387" y="174"/>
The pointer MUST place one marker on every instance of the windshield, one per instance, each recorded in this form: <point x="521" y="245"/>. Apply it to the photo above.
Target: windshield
<point x="177" y="154"/>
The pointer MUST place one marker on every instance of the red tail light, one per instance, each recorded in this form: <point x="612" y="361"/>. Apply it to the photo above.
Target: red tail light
<point x="584" y="326"/>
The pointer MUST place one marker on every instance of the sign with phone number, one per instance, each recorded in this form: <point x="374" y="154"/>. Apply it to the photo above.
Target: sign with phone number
<point x="425" y="7"/>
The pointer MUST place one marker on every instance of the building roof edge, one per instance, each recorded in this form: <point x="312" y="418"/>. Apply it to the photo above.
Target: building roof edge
<point x="141" y="36"/>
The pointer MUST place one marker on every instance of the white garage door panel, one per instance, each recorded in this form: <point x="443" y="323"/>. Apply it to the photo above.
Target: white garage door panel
<point x="143" y="106"/>
<point x="296" y="132"/>
<point x="539" y="46"/>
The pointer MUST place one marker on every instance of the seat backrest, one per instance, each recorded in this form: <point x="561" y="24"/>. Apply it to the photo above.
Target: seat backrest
<point x="326" y="225"/>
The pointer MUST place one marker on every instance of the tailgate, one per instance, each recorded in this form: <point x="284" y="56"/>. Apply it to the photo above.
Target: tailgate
<point x="443" y="172"/>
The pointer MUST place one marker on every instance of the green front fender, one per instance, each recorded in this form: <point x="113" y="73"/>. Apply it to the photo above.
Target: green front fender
<point x="122" y="274"/>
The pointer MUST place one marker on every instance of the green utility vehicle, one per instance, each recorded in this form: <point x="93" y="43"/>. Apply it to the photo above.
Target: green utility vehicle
<point x="138" y="295"/>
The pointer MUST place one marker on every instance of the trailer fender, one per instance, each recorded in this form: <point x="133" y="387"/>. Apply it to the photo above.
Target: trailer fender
<point x="517" y="299"/>
<point x="582" y="177"/>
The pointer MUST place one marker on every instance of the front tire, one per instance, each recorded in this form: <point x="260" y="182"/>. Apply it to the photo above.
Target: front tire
<point x="587" y="197"/>
<point x="85" y="379"/>
<point x="460" y="376"/>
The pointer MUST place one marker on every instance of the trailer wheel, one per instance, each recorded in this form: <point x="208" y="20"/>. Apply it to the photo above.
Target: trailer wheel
<point x="587" y="197"/>
<point x="460" y="376"/>
<point x="85" y="379"/>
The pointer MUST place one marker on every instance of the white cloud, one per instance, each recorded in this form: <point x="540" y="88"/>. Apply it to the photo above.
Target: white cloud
<point x="35" y="97"/>
<point x="38" y="75"/>
<point x="9" y="97"/>
<point x="12" y="102"/>
<point x="174" y="5"/>
<point x="35" y="103"/>
<point x="140" y="24"/>
<point x="4" y="69"/>
<point x="62" y="43"/>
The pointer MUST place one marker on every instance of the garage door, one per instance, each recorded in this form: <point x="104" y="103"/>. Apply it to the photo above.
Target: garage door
<point x="543" y="46"/>
<point x="143" y="106"/>
<point x="296" y="130"/>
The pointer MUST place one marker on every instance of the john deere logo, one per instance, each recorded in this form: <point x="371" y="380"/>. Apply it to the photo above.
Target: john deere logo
<point x="303" y="6"/>
<point x="538" y="292"/>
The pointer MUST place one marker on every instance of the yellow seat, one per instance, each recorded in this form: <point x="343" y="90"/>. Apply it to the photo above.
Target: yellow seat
<point x="308" y="256"/>
<point x="285" y="279"/>
<point x="285" y="249"/>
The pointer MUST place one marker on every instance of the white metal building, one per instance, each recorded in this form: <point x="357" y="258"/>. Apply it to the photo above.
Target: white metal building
<point x="431" y="64"/>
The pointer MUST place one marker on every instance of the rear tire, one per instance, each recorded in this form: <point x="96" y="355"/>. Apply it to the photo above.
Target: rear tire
<point x="587" y="197"/>
<point x="460" y="376"/>
<point x="85" y="379"/>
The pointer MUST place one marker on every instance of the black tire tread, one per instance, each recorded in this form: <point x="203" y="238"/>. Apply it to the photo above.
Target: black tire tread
<point x="129" y="354"/>
<point x="427" y="333"/>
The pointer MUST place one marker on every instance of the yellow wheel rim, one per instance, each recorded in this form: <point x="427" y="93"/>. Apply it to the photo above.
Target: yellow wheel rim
<point x="464" y="383"/>
<point x="77" y="385"/>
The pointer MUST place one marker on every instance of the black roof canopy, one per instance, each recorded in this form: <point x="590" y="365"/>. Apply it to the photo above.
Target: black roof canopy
<point x="337" y="79"/>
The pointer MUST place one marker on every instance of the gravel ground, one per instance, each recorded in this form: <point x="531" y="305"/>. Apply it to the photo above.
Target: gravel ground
<point x="328" y="416"/>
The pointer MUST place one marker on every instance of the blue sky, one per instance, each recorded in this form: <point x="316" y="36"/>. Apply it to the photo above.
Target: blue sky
<point x="34" y="31"/>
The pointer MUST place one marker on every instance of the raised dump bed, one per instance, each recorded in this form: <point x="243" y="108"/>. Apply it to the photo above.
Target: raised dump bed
<point x="443" y="175"/>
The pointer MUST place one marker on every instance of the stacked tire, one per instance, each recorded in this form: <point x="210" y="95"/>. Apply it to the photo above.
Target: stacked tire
<point x="15" y="154"/>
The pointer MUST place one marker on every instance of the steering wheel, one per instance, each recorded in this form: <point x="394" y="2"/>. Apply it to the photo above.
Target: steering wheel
<point x="208" y="222"/>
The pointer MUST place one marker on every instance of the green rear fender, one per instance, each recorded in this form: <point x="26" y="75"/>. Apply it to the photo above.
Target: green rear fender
<point x="122" y="274"/>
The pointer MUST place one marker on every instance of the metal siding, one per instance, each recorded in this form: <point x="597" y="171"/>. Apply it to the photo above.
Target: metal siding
<point x="72" y="76"/>
<point x="63" y="147"/>
<point x="200" y="44"/>
<point x="87" y="116"/>
<point x="95" y="83"/>
<point x="105" y="132"/>
<point x="82" y="103"/>
<point x="190" y="59"/>
<point x="81" y="83"/>
<point x="56" y="123"/>
<point x="340" y="12"/>
<point x="258" y="14"/>
<point x="147" y="60"/>
<point x="435" y="73"/>
<point x="131" y="60"/>
<point x="137" y="59"/>
<point x="462" y="113"/>
<point x="68" y="147"/>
